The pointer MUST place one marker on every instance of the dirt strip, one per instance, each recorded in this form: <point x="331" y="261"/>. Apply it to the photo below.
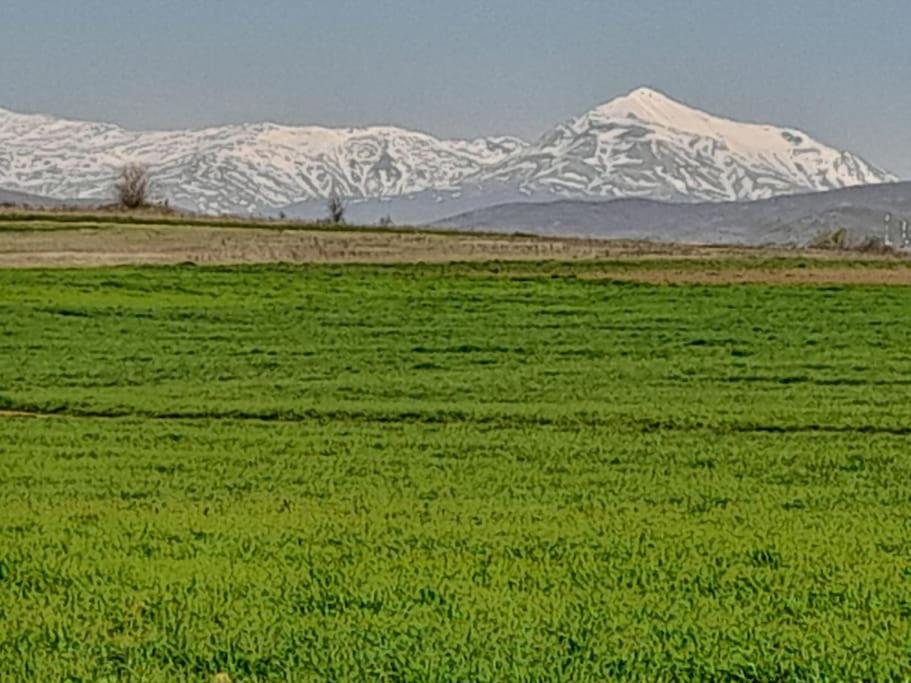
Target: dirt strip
<point x="203" y="245"/>
<point x="116" y="245"/>
<point x="138" y="245"/>
<point x="780" y="276"/>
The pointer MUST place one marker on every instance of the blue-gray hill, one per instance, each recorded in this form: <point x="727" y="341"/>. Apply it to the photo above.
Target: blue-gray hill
<point x="795" y="219"/>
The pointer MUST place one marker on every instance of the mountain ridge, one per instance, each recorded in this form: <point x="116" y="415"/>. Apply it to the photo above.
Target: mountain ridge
<point x="640" y="144"/>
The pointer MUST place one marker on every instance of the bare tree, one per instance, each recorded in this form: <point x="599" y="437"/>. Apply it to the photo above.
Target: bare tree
<point x="133" y="186"/>
<point x="336" y="208"/>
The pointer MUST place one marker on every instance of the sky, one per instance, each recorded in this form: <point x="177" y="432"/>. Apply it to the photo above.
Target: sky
<point x="839" y="69"/>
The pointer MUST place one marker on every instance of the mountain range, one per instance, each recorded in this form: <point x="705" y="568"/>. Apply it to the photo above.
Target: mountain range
<point x="642" y="145"/>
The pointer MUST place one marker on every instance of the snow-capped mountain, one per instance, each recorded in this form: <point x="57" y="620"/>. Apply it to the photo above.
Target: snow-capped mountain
<point x="647" y="145"/>
<point x="242" y="168"/>
<point x="641" y="145"/>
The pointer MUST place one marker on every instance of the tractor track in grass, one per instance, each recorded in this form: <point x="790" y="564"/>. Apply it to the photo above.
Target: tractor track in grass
<point x="24" y="413"/>
<point x="617" y="422"/>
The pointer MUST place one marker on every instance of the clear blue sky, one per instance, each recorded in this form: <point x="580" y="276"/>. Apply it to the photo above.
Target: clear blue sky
<point x="839" y="68"/>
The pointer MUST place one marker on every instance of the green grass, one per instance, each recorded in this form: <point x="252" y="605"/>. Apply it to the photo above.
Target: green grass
<point x="13" y="220"/>
<point x="446" y="473"/>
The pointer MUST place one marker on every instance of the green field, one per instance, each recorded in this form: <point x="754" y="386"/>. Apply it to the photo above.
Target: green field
<point x="451" y="473"/>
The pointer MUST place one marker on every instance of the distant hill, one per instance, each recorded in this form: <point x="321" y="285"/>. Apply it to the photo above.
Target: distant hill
<point x="34" y="201"/>
<point x="794" y="219"/>
<point x="30" y="200"/>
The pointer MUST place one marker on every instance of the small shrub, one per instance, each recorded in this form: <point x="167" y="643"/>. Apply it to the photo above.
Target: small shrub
<point x="336" y="210"/>
<point x="840" y="240"/>
<point x="874" y="245"/>
<point x="831" y="239"/>
<point x="133" y="187"/>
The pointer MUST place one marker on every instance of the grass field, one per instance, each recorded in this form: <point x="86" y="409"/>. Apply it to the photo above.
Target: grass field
<point x="452" y="473"/>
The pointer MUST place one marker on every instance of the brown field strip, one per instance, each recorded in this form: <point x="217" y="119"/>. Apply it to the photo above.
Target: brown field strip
<point x="85" y="247"/>
<point x="780" y="276"/>
<point x="121" y="245"/>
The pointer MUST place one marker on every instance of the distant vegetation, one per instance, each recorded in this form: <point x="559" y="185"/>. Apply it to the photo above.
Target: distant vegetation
<point x="839" y="239"/>
<point x="450" y="473"/>
<point x="133" y="187"/>
<point x="336" y="210"/>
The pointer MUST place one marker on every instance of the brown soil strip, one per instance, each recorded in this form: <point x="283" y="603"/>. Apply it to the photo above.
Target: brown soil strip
<point x="117" y="245"/>
<point x="141" y="246"/>
<point x="147" y="245"/>
<point x="781" y="276"/>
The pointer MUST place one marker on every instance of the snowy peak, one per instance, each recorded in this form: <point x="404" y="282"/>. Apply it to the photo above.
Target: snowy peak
<point x="653" y="108"/>
<point x="647" y="105"/>
<point x="646" y="144"/>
